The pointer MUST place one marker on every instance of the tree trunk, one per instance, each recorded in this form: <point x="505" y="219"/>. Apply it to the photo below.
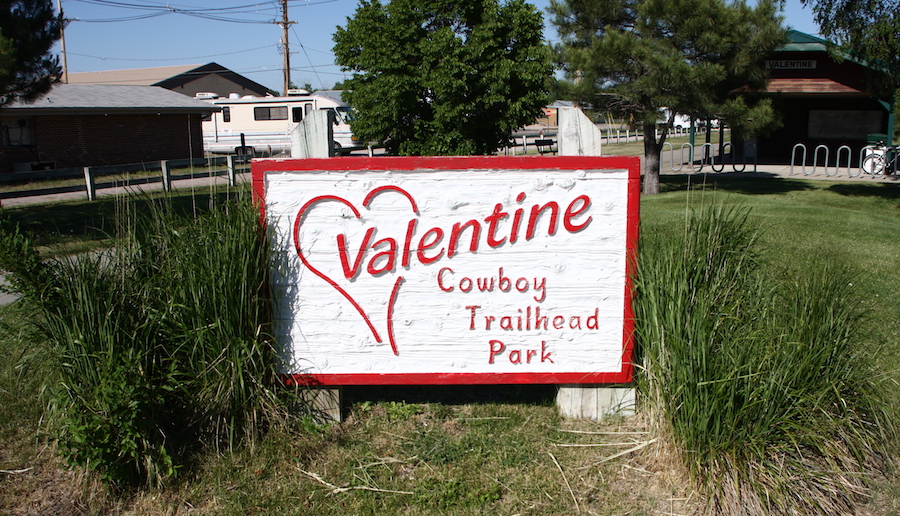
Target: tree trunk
<point x="650" y="164"/>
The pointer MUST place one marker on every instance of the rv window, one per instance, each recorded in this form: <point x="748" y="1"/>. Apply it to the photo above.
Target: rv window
<point x="206" y="117"/>
<point x="296" y="114"/>
<point x="226" y="114"/>
<point x="270" y="113"/>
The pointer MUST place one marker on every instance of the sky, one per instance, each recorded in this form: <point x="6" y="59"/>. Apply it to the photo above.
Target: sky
<point x="237" y="34"/>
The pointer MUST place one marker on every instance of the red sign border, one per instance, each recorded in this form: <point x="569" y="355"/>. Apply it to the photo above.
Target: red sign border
<point x="260" y="167"/>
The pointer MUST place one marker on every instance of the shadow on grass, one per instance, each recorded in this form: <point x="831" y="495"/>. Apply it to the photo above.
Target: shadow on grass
<point x="542" y="395"/>
<point x="751" y="184"/>
<point x="92" y="221"/>
<point x="884" y="190"/>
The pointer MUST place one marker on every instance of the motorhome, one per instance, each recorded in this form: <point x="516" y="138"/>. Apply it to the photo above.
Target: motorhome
<point x="263" y="125"/>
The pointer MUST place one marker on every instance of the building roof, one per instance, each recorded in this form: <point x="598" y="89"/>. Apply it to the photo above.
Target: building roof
<point x="168" y="77"/>
<point x="800" y="41"/>
<point x="809" y="86"/>
<point x="105" y="98"/>
<point x="130" y="77"/>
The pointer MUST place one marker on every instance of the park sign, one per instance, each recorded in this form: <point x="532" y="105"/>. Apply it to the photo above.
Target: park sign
<point x="452" y="270"/>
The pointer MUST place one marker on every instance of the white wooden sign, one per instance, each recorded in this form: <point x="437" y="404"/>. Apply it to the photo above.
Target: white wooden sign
<point x="478" y="270"/>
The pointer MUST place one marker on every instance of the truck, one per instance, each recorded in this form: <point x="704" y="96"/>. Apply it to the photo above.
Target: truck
<point x="252" y="125"/>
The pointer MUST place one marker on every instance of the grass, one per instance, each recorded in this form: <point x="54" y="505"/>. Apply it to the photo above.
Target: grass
<point x="79" y="226"/>
<point x="488" y="450"/>
<point x="762" y="385"/>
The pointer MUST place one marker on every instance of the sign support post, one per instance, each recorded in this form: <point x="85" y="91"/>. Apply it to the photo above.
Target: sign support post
<point x="578" y="136"/>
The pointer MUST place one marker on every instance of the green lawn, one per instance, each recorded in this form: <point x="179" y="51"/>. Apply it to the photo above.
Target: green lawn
<point x="486" y="450"/>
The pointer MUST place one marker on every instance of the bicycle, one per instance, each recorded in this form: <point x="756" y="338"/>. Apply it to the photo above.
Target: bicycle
<point x="876" y="163"/>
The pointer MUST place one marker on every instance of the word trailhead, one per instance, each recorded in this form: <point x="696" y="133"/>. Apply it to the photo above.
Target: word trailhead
<point x="452" y="270"/>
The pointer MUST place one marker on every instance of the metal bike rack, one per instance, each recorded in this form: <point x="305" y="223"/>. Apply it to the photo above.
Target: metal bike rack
<point x="862" y="157"/>
<point x="721" y="158"/>
<point x="837" y="161"/>
<point x="705" y="159"/>
<point x="816" y="158"/>
<point x="794" y="154"/>
<point x="746" y="147"/>
<point x="671" y="158"/>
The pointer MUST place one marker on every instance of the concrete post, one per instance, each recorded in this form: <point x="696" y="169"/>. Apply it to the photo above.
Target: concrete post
<point x="577" y="135"/>
<point x="314" y="136"/>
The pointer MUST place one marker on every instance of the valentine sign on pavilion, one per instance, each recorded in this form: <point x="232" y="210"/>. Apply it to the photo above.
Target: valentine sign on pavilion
<point x="452" y="270"/>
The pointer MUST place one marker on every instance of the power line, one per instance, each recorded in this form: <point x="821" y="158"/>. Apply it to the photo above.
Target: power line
<point x="315" y="71"/>
<point x="172" y="58"/>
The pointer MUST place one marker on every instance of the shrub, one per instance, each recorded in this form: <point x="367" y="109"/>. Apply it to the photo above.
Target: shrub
<point x="759" y="377"/>
<point x="161" y="345"/>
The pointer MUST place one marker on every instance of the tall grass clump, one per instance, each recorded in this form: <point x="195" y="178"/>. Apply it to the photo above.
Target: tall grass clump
<point x="761" y="378"/>
<point x="162" y="345"/>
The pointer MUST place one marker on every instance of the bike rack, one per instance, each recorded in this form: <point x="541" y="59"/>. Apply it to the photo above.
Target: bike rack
<point x="704" y="160"/>
<point x="816" y="160"/>
<point x="794" y="154"/>
<point x="862" y="156"/>
<point x="837" y="161"/>
<point x="721" y="158"/>
<point x="746" y="147"/>
<point x="672" y="156"/>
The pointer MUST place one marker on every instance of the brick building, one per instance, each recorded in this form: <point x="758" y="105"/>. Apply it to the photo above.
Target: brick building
<point x="76" y="125"/>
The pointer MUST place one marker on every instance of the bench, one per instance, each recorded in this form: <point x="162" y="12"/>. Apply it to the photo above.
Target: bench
<point x="545" y="146"/>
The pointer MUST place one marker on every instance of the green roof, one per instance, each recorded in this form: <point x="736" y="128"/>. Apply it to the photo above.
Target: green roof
<point x="802" y="42"/>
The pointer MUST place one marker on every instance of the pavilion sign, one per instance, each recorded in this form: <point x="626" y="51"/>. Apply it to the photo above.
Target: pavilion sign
<point x="452" y="270"/>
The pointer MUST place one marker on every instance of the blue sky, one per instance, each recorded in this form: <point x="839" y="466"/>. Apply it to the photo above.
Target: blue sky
<point x="237" y="34"/>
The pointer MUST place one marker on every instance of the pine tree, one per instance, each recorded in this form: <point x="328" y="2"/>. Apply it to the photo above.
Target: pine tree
<point x="443" y="77"/>
<point x="28" y="30"/>
<point x="639" y="56"/>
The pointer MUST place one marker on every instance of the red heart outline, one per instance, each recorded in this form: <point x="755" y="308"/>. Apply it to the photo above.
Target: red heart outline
<point x="301" y="214"/>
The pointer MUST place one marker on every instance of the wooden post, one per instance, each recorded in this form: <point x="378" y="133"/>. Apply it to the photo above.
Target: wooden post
<point x="232" y="175"/>
<point x="326" y="403"/>
<point x="89" y="183"/>
<point x="166" y="175"/>
<point x="589" y="401"/>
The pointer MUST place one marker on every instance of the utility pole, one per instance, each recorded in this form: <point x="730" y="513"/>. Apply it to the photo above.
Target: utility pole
<point x="286" y="64"/>
<point x="62" y="42"/>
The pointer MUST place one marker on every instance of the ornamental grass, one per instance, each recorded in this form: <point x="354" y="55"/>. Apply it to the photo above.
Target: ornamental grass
<point x="760" y="377"/>
<point x="161" y="345"/>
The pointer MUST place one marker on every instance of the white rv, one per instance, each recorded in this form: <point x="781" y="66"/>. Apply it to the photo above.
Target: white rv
<point x="264" y="124"/>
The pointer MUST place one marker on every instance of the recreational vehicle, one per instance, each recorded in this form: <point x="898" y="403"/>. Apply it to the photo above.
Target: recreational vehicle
<point x="257" y="125"/>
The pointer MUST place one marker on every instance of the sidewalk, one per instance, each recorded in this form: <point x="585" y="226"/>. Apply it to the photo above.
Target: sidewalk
<point x="785" y="172"/>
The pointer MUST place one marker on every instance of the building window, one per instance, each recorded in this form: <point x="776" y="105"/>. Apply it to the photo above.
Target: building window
<point x="226" y="114"/>
<point x="270" y="113"/>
